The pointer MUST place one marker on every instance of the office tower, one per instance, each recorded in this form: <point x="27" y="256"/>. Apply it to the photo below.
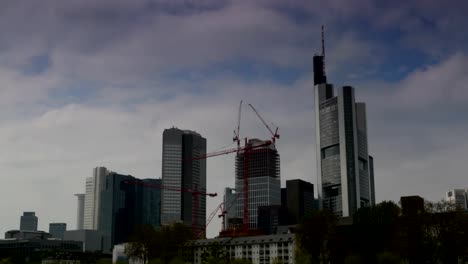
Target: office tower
<point x="125" y="203"/>
<point x="80" y="211"/>
<point x="300" y="199"/>
<point x="343" y="163"/>
<point x="151" y="202"/>
<point x="28" y="221"/>
<point x="229" y="201"/>
<point x="264" y="188"/>
<point x="181" y="171"/>
<point x="459" y="197"/>
<point x="94" y="186"/>
<point x="118" y="209"/>
<point x="57" y="230"/>
<point x="272" y="216"/>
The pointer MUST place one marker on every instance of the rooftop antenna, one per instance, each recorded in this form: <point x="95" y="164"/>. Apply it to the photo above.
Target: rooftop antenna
<point x="323" y="47"/>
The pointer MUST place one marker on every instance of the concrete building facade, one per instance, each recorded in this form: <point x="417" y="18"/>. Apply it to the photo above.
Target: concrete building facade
<point x="94" y="186"/>
<point x="80" y="211"/>
<point x="181" y="171"/>
<point x="91" y="239"/>
<point x="459" y="197"/>
<point x="264" y="188"/>
<point x="28" y="221"/>
<point x="258" y="249"/>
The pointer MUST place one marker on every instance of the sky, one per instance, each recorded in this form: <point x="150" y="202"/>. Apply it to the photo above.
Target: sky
<point x="94" y="83"/>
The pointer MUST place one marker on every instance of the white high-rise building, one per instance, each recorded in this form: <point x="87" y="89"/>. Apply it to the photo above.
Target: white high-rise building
<point x="459" y="197"/>
<point x="94" y="186"/>
<point x="80" y="211"/>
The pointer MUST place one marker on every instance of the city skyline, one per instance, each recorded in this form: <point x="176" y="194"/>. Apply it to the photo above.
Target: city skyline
<point x="95" y="84"/>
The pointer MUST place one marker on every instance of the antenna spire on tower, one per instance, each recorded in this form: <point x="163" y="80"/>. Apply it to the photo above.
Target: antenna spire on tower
<point x="323" y="41"/>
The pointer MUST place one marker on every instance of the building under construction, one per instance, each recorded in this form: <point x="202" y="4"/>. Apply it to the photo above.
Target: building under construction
<point x="262" y="165"/>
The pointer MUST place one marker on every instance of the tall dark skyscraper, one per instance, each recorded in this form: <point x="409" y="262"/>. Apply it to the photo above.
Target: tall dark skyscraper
<point x="28" y="221"/>
<point x="263" y="165"/>
<point x="299" y="199"/>
<point x="344" y="168"/>
<point x="125" y="203"/>
<point x="179" y="171"/>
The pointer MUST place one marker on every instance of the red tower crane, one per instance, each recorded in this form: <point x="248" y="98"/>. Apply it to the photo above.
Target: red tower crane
<point x="195" y="193"/>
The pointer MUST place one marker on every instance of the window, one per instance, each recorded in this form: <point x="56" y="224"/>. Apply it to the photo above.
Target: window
<point x="331" y="151"/>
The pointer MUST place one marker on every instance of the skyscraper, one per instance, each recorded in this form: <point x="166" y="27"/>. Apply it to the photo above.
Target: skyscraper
<point x="57" y="230"/>
<point x="28" y="221"/>
<point x="179" y="171"/>
<point x="344" y="168"/>
<point x="80" y="211"/>
<point x="151" y="202"/>
<point x="299" y="199"/>
<point x="264" y="188"/>
<point x="125" y="203"/>
<point x="118" y="209"/>
<point x="94" y="186"/>
<point x="229" y="201"/>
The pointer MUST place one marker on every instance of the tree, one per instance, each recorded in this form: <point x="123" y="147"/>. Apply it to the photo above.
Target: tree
<point x="376" y="229"/>
<point x="446" y="232"/>
<point x="143" y="243"/>
<point x="165" y="243"/>
<point x="214" y="255"/>
<point x="314" y="235"/>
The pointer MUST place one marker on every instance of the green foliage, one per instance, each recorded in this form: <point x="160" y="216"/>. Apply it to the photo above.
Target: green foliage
<point x="376" y="229"/>
<point x="214" y="254"/>
<point x="381" y="234"/>
<point x="165" y="243"/>
<point x="315" y="235"/>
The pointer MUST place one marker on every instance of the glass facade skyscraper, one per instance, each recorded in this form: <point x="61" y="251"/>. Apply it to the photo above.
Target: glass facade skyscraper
<point x="344" y="168"/>
<point x="264" y="188"/>
<point x="125" y="203"/>
<point x="181" y="171"/>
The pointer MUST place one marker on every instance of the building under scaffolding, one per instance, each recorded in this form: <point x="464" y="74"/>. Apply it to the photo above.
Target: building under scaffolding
<point x="264" y="187"/>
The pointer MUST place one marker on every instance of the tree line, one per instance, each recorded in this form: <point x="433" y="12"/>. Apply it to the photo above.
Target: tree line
<point x="383" y="234"/>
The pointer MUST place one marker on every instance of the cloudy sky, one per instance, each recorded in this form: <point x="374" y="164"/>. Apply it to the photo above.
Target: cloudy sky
<point x="94" y="83"/>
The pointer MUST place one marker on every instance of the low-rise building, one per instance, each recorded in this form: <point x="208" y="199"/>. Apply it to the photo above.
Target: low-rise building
<point x="258" y="249"/>
<point x="92" y="239"/>
<point x="24" y="234"/>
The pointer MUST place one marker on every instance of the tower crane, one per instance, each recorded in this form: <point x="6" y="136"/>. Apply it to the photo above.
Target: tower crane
<point x="237" y="131"/>
<point x="274" y="135"/>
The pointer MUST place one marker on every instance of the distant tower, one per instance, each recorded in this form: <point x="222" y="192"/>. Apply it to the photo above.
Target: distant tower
<point x="264" y="179"/>
<point x="179" y="172"/>
<point x="344" y="168"/>
<point x="94" y="186"/>
<point x="229" y="201"/>
<point x="57" y="230"/>
<point x="80" y="211"/>
<point x="319" y="64"/>
<point x="28" y="221"/>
